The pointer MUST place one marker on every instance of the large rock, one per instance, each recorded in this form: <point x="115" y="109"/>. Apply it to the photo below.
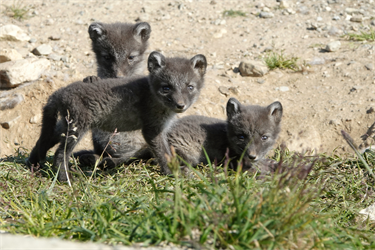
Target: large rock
<point x="9" y="55"/>
<point x="253" y="68"/>
<point x="43" y="50"/>
<point x="12" y="32"/>
<point x="14" y="73"/>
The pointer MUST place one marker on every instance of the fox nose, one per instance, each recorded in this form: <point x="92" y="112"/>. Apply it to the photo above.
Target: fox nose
<point x="252" y="157"/>
<point x="180" y="105"/>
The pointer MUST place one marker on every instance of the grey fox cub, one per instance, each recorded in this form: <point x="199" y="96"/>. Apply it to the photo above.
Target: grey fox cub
<point x="119" y="50"/>
<point x="126" y="104"/>
<point x="251" y="130"/>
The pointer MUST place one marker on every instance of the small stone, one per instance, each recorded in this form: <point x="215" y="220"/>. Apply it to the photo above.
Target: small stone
<point x="220" y="33"/>
<point x="54" y="57"/>
<point x="284" y="4"/>
<point x="284" y="88"/>
<point x="224" y="90"/>
<point x="14" y="73"/>
<point x="351" y="11"/>
<point x="36" y="119"/>
<point x="50" y="21"/>
<point x="234" y="90"/>
<point x="317" y="61"/>
<point x="333" y="46"/>
<point x="369" y="66"/>
<point x="264" y="14"/>
<point x="41" y="50"/>
<point x="253" y="68"/>
<point x="357" y="19"/>
<point x="12" y="32"/>
<point x="368" y="213"/>
<point x="33" y="40"/>
<point x="334" y="122"/>
<point x="336" y="18"/>
<point x="370" y="110"/>
<point x="9" y="102"/>
<point x="54" y="37"/>
<point x="261" y="81"/>
<point x="373" y="22"/>
<point x="9" y="55"/>
<point x="9" y="124"/>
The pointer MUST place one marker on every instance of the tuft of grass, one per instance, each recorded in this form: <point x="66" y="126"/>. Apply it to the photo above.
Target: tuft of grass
<point x="278" y="60"/>
<point x="233" y="13"/>
<point x="310" y="203"/>
<point x="364" y="36"/>
<point x="17" y="10"/>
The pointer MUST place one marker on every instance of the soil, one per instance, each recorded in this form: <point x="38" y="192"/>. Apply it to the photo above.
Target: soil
<point x="335" y="90"/>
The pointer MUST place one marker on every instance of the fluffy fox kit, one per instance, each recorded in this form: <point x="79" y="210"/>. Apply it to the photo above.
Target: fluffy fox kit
<point x="147" y="103"/>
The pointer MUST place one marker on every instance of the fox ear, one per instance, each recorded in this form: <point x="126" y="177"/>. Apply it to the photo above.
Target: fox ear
<point x="96" y="31"/>
<point x="233" y="107"/>
<point x="155" y="62"/>
<point x="141" y="31"/>
<point x="199" y="64"/>
<point x="275" y="110"/>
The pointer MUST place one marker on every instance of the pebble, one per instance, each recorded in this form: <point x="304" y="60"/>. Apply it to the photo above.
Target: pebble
<point x="356" y="19"/>
<point x="373" y="22"/>
<point x="42" y="50"/>
<point x="333" y="46"/>
<point x="317" y="61"/>
<point x="369" y="66"/>
<point x="336" y="18"/>
<point x="54" y="37"/>
<point x="253" y="68"/>
<point x="264" y="14"/>
<point x="261" y="81"/>
<point x="54" y="57"/>
<point x="284" y="88"/>
<point x="9" y="102"/>
<point x="9" y="55"/>
<point x="36" y="119"/>
<point x="224" y="90"/>
<point x="9" y="124"/>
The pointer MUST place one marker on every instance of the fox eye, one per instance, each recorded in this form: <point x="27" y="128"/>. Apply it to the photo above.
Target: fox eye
<point x="264" y="138"/>
<point x="241" y="137"/>
<point x="165" y="89"/>
<point x="131" y="58"/>
<point x="191" y="87"/>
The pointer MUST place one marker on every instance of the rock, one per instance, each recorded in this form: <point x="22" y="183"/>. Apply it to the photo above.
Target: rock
<point x="317" y="61"/>
<point x="13" y="33"/>
<point x="284" y="88"/>
<point x="36" y="119"/>
<point x="369" y="212"/>
<point x="264" y="14"/>
<point x="14" y="73"/>
<point x="10" y="102"/>
<point x="42" y="50"/>
<point x="333" y="46"/>
<point x="351" y="11"/>
<point x="253" y="68"/>
<point x="224" y="90"/>
<point x="220" y="33"/>
<point x="54" y="37"/>
<point x="284" y="4"/>
<point x="54" y="57"/>
<point x="9" y="55"/>
<point x="336" y="18"/>
<point x="357" y="19"/>
<point x="261" y="81"/>
<point x="369" y="66"/>
<point x="9" y="124"/>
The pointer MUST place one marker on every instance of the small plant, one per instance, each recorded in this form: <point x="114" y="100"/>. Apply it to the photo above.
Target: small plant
<point x="364" y="36"/>
<point x="17" y="10"/>
<point x="233" y="13"/>
<point x="278" y="60"/>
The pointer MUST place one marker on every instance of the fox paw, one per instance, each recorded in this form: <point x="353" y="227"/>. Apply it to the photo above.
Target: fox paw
<point x="91" y="79"/>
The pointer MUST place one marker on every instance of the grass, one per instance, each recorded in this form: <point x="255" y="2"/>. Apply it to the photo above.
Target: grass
<point x="17" y="10"/>
<point x="278" y="60"/>
<point x="364" y="36"/>
<point x="233" y="13"/>
<point x="312" y="202"/>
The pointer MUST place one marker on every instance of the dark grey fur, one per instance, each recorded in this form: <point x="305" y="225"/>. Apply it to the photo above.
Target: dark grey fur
<point x="119" y="50"/>
<point x="147" y="103"/>
<point x="250" y="129"/>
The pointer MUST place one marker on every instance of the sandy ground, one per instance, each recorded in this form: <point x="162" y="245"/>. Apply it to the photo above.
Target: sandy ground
<point x="336" y="92"/>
